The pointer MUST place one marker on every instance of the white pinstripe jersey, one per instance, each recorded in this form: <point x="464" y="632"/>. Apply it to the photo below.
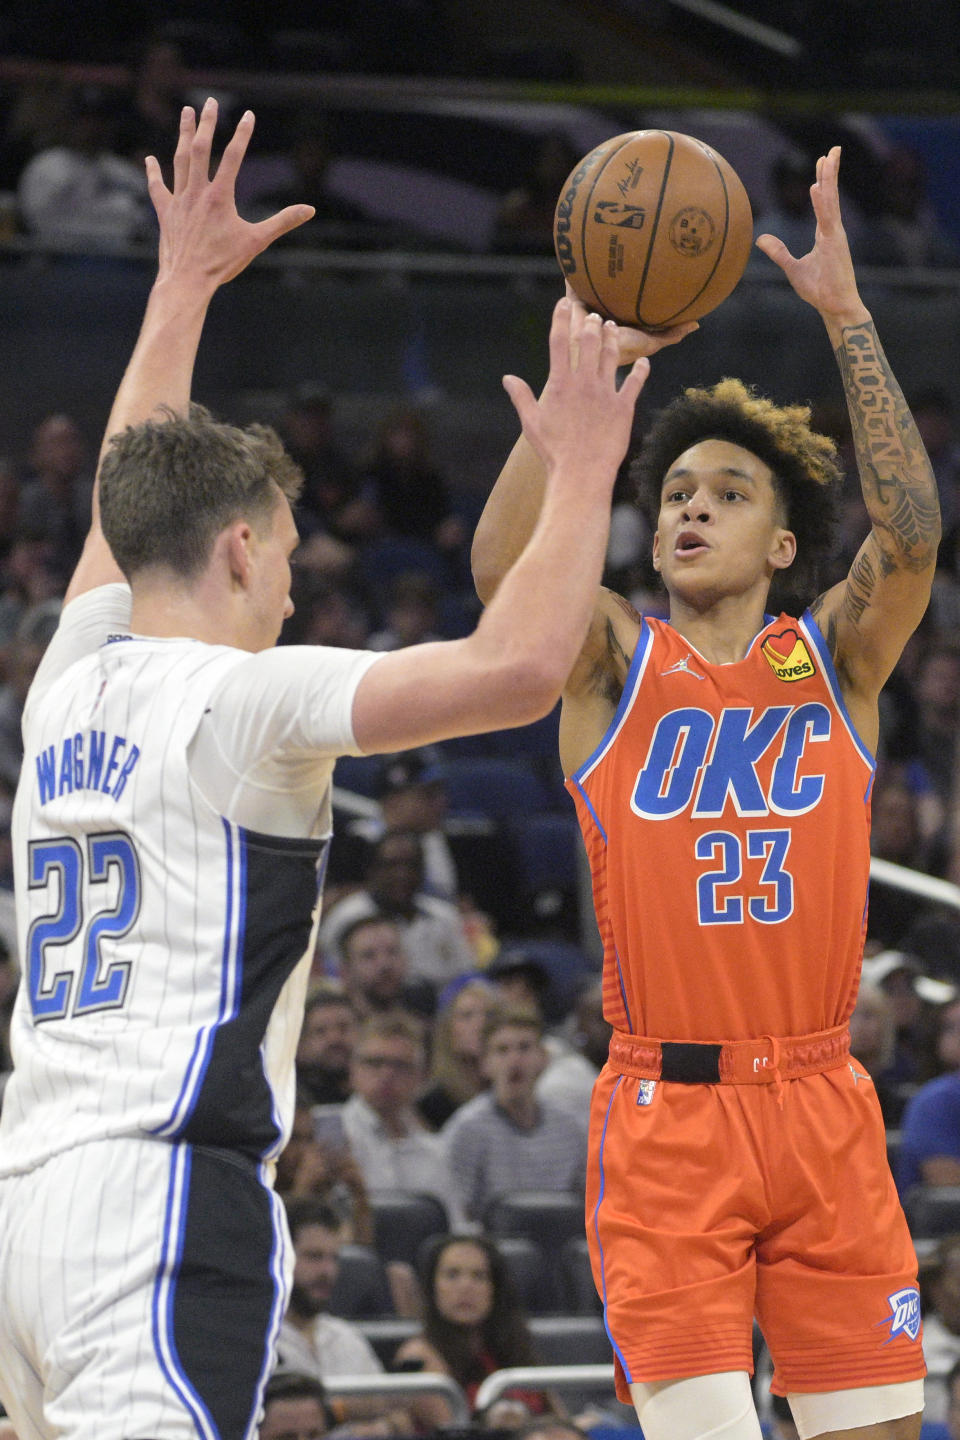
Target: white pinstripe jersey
<point x="170" y="831"/>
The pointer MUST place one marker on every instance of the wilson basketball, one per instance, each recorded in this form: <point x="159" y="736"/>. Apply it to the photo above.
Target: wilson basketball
<point x="653" y="228"/>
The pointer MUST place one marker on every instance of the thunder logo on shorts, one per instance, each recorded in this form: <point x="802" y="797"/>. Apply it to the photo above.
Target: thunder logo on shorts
<point x="904" y="1317"/>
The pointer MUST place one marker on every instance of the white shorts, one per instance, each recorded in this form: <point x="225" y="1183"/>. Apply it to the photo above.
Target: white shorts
<point x="142" y="1286"/>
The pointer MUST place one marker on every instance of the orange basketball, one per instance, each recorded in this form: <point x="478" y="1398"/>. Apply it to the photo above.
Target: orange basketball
<point x="653" y="228"/>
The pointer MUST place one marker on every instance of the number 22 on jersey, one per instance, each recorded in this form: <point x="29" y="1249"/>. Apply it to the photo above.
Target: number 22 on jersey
<point x="94" y="896"/>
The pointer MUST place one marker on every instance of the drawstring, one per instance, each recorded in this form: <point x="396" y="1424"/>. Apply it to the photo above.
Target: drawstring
<point x="778" y="1078"/>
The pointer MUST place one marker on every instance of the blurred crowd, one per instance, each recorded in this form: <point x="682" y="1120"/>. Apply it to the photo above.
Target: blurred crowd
<point x="454" y="1025"/>
<point x="454" y="1028"/>
<point x="71" y="156"/>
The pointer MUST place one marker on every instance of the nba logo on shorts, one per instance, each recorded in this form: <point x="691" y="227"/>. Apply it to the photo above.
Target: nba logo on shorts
<point x="645" y="1091"/>
<point x="905" y="1317"/>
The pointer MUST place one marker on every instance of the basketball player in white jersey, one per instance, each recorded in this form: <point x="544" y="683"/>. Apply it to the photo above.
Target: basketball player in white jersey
<point x="170" y="829"/>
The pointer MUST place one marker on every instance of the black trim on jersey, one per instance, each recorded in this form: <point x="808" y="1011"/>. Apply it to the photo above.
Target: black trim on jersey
<point x="225" y="1292"/>
<point x="234" y="1106"/>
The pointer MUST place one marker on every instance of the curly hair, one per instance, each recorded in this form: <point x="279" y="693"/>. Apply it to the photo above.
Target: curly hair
<point x="806" y="476"/>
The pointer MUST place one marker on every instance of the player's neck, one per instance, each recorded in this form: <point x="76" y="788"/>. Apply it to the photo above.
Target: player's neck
<point x="723" y="631"/>
<point x="166" y="610"/>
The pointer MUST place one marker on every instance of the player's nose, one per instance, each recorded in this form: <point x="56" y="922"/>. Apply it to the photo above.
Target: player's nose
<point x="699" y="506"/>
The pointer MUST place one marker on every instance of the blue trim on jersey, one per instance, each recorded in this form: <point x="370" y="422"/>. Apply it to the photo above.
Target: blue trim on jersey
<point x="593" y="814"/>
<point x="175" y="1220"/>
<point x="623" y="993"/>
<point x="830" y="675"/>
<point x="644" y="641"/>
<point x="281" y="1298"/>
<point x="229" y="988"/>
<point x="596" y="1230"/>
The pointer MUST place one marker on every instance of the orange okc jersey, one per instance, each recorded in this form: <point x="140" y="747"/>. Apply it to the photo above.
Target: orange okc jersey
<point x="726" y="815"/>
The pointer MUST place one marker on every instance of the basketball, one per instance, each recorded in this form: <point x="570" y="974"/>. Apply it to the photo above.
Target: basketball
<point x="653" y="228"/>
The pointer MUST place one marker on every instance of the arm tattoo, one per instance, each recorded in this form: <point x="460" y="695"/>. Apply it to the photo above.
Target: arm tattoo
<point x="899" y="488"/>
<point x="829" y="629"/>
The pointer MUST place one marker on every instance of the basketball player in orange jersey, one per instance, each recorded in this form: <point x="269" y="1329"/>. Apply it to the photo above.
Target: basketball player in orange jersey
<point x="721" y="767"/>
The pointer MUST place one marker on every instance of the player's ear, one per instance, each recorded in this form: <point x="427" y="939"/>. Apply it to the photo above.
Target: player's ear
<point x="236" y="547"/>
<point x="783" y="551"/>
<point x="656" y="550"/>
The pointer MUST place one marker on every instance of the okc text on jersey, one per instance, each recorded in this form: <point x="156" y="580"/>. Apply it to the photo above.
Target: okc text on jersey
<point x="92" y="760"/>
<point x="695" y="756"/>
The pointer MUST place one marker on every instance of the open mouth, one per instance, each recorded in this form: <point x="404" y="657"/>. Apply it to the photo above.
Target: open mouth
<point x="690" y="543"/>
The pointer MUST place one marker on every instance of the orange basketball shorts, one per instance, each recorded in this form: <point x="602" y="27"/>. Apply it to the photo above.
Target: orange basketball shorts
<point x="711" y="1204"/>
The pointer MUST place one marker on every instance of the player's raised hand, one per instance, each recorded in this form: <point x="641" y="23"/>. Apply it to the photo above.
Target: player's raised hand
<point x="582" y="421"/>
<point x="633" y="344"/>
<point x="201" y="234"/>
<point x="825" y="277"/>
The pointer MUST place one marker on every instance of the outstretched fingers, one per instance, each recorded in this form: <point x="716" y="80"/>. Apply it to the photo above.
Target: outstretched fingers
<point x="776" y="251"/>
<point x="198" y="173"/>
<point x="181" y="158"/>
<point x="635" y="380"/>
<point x="523" y="399"/>
<point x="825" y="194"/>
<point x="232" y="157"/>
<point x="560" y="336"/>
<point x="266" y="231"/>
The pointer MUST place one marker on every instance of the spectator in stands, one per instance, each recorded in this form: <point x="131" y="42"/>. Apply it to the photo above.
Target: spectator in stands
<point x="930" y="1132"/>
<point x="873" y="1044"/>
<point x="411" y="496"/>
<point x="577" y="1056"/>
<point x="788" y="212"/>
<point x="933" y="412"/>
<point x="523" y="982"/>
<point x="388" y="1139"/>
<point x="28" y="576"/>
<point x="941" y="1328"/>
<point x="524" y="224"/>
<point x="331" y="499"/>
<point x="917" y="999"/>
<point x="456" y="1066"/>
<point x="303" y="175"/>
<point x="375" y="970"/>
<point x="56" y="489"/>
<point x="321" y="1171"/>
<point x="926" y="745"/>
<point x="33" y="635"/>
<point x="312" y="1341"/>
<point x="951" y="1430"/>
<point x="472" y="1324"/>
<point x="329" y="611"/>
<point x="907" y="231"/>
<point x="411" y="613"/>
<point x="550" y="1427"/>
<point x="410" y="798"/>
<point x="9" y="504"/>
<point x="326" y="1045"/>
<point x="294" y="1408"/>
<point x="152" y="112"/>
<point x="508" y="1139"/>
<point x="895" y="835"/>
<point x="432" y="929"/>
<point x="81" y="191"/>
